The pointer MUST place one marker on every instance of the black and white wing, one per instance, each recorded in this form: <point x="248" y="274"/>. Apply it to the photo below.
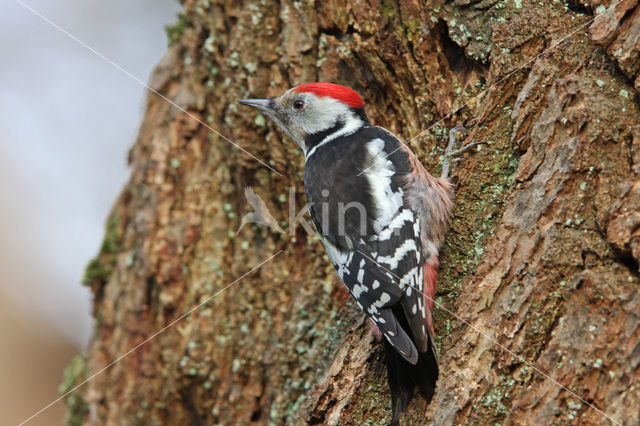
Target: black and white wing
<point x="398" y="249"/>
<point x="382" y="266"/>
<point x="376" y="293"/>
<point x="384" y="274"/>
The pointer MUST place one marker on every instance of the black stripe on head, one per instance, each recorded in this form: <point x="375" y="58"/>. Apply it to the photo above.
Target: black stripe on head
<point x="315" y="138"/>
<point x="360" y="113"/>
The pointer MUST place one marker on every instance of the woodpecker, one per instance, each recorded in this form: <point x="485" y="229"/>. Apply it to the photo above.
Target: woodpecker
<point x="382" y="219"/>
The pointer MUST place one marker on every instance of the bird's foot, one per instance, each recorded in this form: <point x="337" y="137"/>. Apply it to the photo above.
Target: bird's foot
<point x="451" y="154"/>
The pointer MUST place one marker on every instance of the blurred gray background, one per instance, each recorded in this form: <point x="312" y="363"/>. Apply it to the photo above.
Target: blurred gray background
<point x="67" y="119"/>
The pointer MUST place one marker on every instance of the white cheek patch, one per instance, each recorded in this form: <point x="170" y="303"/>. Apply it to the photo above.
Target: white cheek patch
<point x="322" y="114"/>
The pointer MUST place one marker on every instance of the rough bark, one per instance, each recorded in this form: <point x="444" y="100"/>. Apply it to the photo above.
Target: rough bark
<point x="540" y="267"/>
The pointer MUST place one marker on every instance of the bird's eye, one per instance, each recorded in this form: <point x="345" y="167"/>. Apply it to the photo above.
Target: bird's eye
<point x="298" y="104"/>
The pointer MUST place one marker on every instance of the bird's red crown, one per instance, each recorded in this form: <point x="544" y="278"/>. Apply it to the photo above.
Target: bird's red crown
<point x="335" y="91"/>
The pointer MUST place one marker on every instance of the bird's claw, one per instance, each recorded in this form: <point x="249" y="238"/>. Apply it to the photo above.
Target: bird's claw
<point x="452" y="155"/>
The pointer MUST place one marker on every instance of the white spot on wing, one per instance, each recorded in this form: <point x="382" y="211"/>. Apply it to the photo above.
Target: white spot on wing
<point x="392" y="261"/>
<point x="358" y="289"/>
<point x="396" y="223"/>
<point x="384" y="298"/>
<point x="409" y="277"/>
<point x="387" y="201"/>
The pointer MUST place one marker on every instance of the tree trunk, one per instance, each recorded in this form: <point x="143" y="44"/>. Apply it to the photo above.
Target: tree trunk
<point x="538" y="307"/>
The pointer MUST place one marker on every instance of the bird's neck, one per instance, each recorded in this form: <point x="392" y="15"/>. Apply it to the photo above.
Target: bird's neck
<point x="344" y="125"/>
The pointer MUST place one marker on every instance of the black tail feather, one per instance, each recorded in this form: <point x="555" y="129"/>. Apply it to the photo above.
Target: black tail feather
<point x="428" y="372"/>
<point x="404" y="377"/>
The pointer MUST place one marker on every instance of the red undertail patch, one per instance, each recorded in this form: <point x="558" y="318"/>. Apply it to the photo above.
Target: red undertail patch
<point x="430" y="279"/>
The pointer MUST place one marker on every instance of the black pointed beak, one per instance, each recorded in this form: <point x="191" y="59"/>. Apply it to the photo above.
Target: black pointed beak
<point x="261" y="104"/>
